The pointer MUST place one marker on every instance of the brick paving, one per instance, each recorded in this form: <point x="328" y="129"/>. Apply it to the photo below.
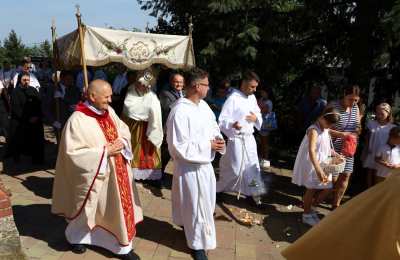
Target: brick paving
<point x="42" y="234"/>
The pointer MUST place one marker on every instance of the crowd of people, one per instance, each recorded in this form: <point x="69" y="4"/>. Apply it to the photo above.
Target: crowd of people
<point x="104" y="149"/>
<point x="336" y="133"/>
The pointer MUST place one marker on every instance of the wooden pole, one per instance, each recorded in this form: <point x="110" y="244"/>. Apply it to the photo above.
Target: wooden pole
<point x="56" y="82"/>
<point x="191" y="49"/>
<point x="190" y="26"/>
<point x="82" y="43"/>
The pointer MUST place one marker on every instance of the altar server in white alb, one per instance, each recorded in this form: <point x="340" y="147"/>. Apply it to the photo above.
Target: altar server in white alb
<point x="193" y="137"/>
<point x="239" y="167"/>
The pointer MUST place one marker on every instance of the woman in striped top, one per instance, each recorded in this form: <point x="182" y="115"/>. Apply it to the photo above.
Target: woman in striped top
<point x="349" y="124"/>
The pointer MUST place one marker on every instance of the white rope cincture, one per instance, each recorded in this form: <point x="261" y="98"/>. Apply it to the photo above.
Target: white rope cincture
<point x="241" y="137"/>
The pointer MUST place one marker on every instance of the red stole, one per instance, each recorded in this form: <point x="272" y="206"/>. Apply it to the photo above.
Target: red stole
<point x="111" y="134"/>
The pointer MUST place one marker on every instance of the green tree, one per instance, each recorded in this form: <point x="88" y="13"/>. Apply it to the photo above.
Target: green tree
<point x="44" y="49"/>
<point x="290" y="43"/>
<point x="2" y="54"/>
<point x="34" y="51"/>
<point x="273" y="37"/>
<point x="14" y="49"/>
<point x="283" y="39"/>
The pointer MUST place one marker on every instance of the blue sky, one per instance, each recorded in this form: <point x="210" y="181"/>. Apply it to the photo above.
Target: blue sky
<point x="31" y="19"/>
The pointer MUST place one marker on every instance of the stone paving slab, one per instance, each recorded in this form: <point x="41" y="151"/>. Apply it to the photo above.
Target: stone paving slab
<point x="42" y="234"/>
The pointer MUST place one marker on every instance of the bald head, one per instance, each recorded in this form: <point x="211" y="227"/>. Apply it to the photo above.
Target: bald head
<point x="98" y="86"/>
<point x="177" y="81"/>
<point x="99" y="94"/>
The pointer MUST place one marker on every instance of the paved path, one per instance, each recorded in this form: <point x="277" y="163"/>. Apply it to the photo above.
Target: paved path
<point x="42" y="234"/>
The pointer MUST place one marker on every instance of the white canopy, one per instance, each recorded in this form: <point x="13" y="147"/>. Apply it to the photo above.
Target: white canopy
<point x="135" y="50"/>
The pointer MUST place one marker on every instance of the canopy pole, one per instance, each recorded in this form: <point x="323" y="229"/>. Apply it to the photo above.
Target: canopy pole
<point x="82" y="42"/>
<point x="191" y="49"/>
<point x="56" y="79"/>
<point x="190" y="26"/>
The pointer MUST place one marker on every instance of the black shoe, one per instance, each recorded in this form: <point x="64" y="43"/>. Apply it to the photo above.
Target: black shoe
<point x="153" y="183"/>
<point x="156" y="184"/>
<point x="78" y="248"/>
<point x="130" y="256"/>
<point x="199" y="255"/>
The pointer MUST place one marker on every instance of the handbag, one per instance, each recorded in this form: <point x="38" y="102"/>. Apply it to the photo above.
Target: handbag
<point x="349" y="146"/>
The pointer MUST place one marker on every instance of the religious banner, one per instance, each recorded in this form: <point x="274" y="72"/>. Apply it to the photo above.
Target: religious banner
<point x="135" y="50"/>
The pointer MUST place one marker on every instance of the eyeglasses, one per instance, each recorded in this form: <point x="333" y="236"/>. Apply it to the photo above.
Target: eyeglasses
<point x="204" y="84"/>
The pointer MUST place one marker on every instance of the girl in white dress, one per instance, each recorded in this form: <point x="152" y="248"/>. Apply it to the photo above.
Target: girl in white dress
<point x="315" y="148"/>
<point x="388" y="156"/>
<point x="377" y="136"/>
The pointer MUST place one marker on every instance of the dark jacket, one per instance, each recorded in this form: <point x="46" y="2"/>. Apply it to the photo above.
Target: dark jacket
<point x="26" y="136"/>
<point x="167" y="98"/>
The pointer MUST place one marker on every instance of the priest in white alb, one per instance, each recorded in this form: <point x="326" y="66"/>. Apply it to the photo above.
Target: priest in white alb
<point x="239" y="167"/>
<point x="94" y="187"/>
<point x="193" y="137"/>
